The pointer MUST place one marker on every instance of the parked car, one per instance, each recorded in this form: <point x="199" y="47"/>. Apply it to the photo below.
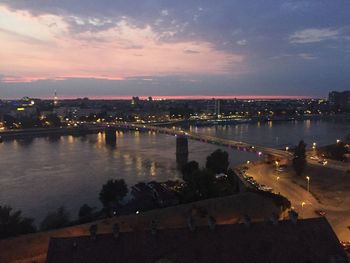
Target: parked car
<point x="265" y="188"/>
<point x="323" y="162"/>
<point x="345" y="245"/>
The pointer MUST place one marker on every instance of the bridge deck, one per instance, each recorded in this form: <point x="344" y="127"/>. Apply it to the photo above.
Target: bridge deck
<point x="261" y="150"/>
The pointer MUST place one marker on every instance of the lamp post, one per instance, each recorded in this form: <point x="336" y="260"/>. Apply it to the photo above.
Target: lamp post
<point x="302" y="206"/>
<point x="308" y="183"/>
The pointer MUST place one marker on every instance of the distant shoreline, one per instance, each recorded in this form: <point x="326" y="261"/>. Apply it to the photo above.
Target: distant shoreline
<point x="39" y="132"/>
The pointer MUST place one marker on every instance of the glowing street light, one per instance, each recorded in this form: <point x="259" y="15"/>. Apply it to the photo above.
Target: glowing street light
<point x="277" y="163"/>
<point x="308" y="183"/>
<point x="338" y="141"/>
<point x="314" y="146"/>
<point x="287" y="148"/>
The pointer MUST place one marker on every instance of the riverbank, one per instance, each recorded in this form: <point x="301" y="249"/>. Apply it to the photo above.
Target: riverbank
<point x="226" y="210"/>
<point x="39" y="132"/>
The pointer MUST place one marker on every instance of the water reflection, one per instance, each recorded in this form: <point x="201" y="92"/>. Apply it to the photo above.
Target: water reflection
<point x="153" y="169"/>
<point x="25" y="142"/>
<point x="54" y="138"/>
<point x="38" y="175"/>
<point x="70" y="139"/>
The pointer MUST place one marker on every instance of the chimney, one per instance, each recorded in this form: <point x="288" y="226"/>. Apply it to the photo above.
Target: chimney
<point x="274" y="219"/>
<point x="93" y="231"/>
<point x="293" y="216"/>
<point x="116" y="231"/>
<point x="246" y="220"/>
<point x="211" y="223"/>
<point x="190" y="224"/>
<point x="154" y="226"/>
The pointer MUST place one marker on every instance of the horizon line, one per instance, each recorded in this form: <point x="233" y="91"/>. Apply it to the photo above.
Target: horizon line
<point x="176" y="97"/>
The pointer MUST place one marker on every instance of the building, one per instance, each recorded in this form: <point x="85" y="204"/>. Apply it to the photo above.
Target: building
<point x="308" y="240"/>
<point x="339" y="100"/>
<point x="24" y="112"/>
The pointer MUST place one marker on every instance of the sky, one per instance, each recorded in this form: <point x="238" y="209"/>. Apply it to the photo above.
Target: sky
<point x="114" y="48"/>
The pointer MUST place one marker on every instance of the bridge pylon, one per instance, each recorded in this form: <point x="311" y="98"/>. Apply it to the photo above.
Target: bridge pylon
<point x="181" y="145"/>
<point x="181" y="151"/>
<point x="111" y="135"/>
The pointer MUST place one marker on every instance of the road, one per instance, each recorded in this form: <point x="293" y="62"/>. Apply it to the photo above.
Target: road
<point x="337" y="165"/>
<point x="281" y="182"/>
<point x="338" y="214"/>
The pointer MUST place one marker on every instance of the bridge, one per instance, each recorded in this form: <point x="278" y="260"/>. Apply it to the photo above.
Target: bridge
<point x="182" y="136"/>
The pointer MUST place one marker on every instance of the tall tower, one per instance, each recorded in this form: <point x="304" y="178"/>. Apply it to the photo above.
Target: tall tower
<point x="219" y="110"/>
<point x="55" y="99"/>
<point x="218" y="114"/>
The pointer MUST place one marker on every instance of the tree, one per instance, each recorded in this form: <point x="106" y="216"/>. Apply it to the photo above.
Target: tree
<point x="52" y="120"/>
<point x="299" y="160"/>
<point x="188" y="169"/>
<point x="9" y="122"/>
<point x="113" y="192"/>
<point x="232" y="179"/>
<point x="13" y="224"/>
<point x="202" y="182"/>
<point x="338" y="151"/>
<point x="57" y="219"/>
<point x="218" y="161"/>
<point x="86" y="213"/>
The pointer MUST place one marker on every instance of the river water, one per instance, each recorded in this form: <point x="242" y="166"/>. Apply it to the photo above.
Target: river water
<point x="38" y="175"/>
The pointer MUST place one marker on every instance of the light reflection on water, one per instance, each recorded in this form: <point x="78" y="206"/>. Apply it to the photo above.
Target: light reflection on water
<point x="40" y="174"/>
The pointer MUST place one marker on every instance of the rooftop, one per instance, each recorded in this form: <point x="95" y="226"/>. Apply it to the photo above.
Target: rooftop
<point x="309" y="240"/>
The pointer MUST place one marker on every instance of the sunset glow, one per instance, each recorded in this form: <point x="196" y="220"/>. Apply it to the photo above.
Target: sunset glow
<point x="122" y="51"/>
<point x="111" y="49"/>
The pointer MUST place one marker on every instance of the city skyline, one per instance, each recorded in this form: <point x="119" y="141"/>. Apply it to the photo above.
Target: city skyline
<point x="289" y="49"/>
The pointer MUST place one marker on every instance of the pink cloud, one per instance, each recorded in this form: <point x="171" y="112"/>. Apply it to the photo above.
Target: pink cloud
<point x="116" y="53"/>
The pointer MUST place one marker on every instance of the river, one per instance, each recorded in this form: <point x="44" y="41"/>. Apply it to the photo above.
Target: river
<point x="37" y="175"/>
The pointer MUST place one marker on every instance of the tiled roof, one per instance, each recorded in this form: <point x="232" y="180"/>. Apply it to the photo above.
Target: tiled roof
<point x="309" y="240"/>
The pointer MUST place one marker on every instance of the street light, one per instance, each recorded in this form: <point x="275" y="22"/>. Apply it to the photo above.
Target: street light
<point x="277" y="164"/>
<point x="287" y="148"/>
<point x="308" y="183"/>
<point x="338" y="141"/>
<point x="314" y="145"/>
